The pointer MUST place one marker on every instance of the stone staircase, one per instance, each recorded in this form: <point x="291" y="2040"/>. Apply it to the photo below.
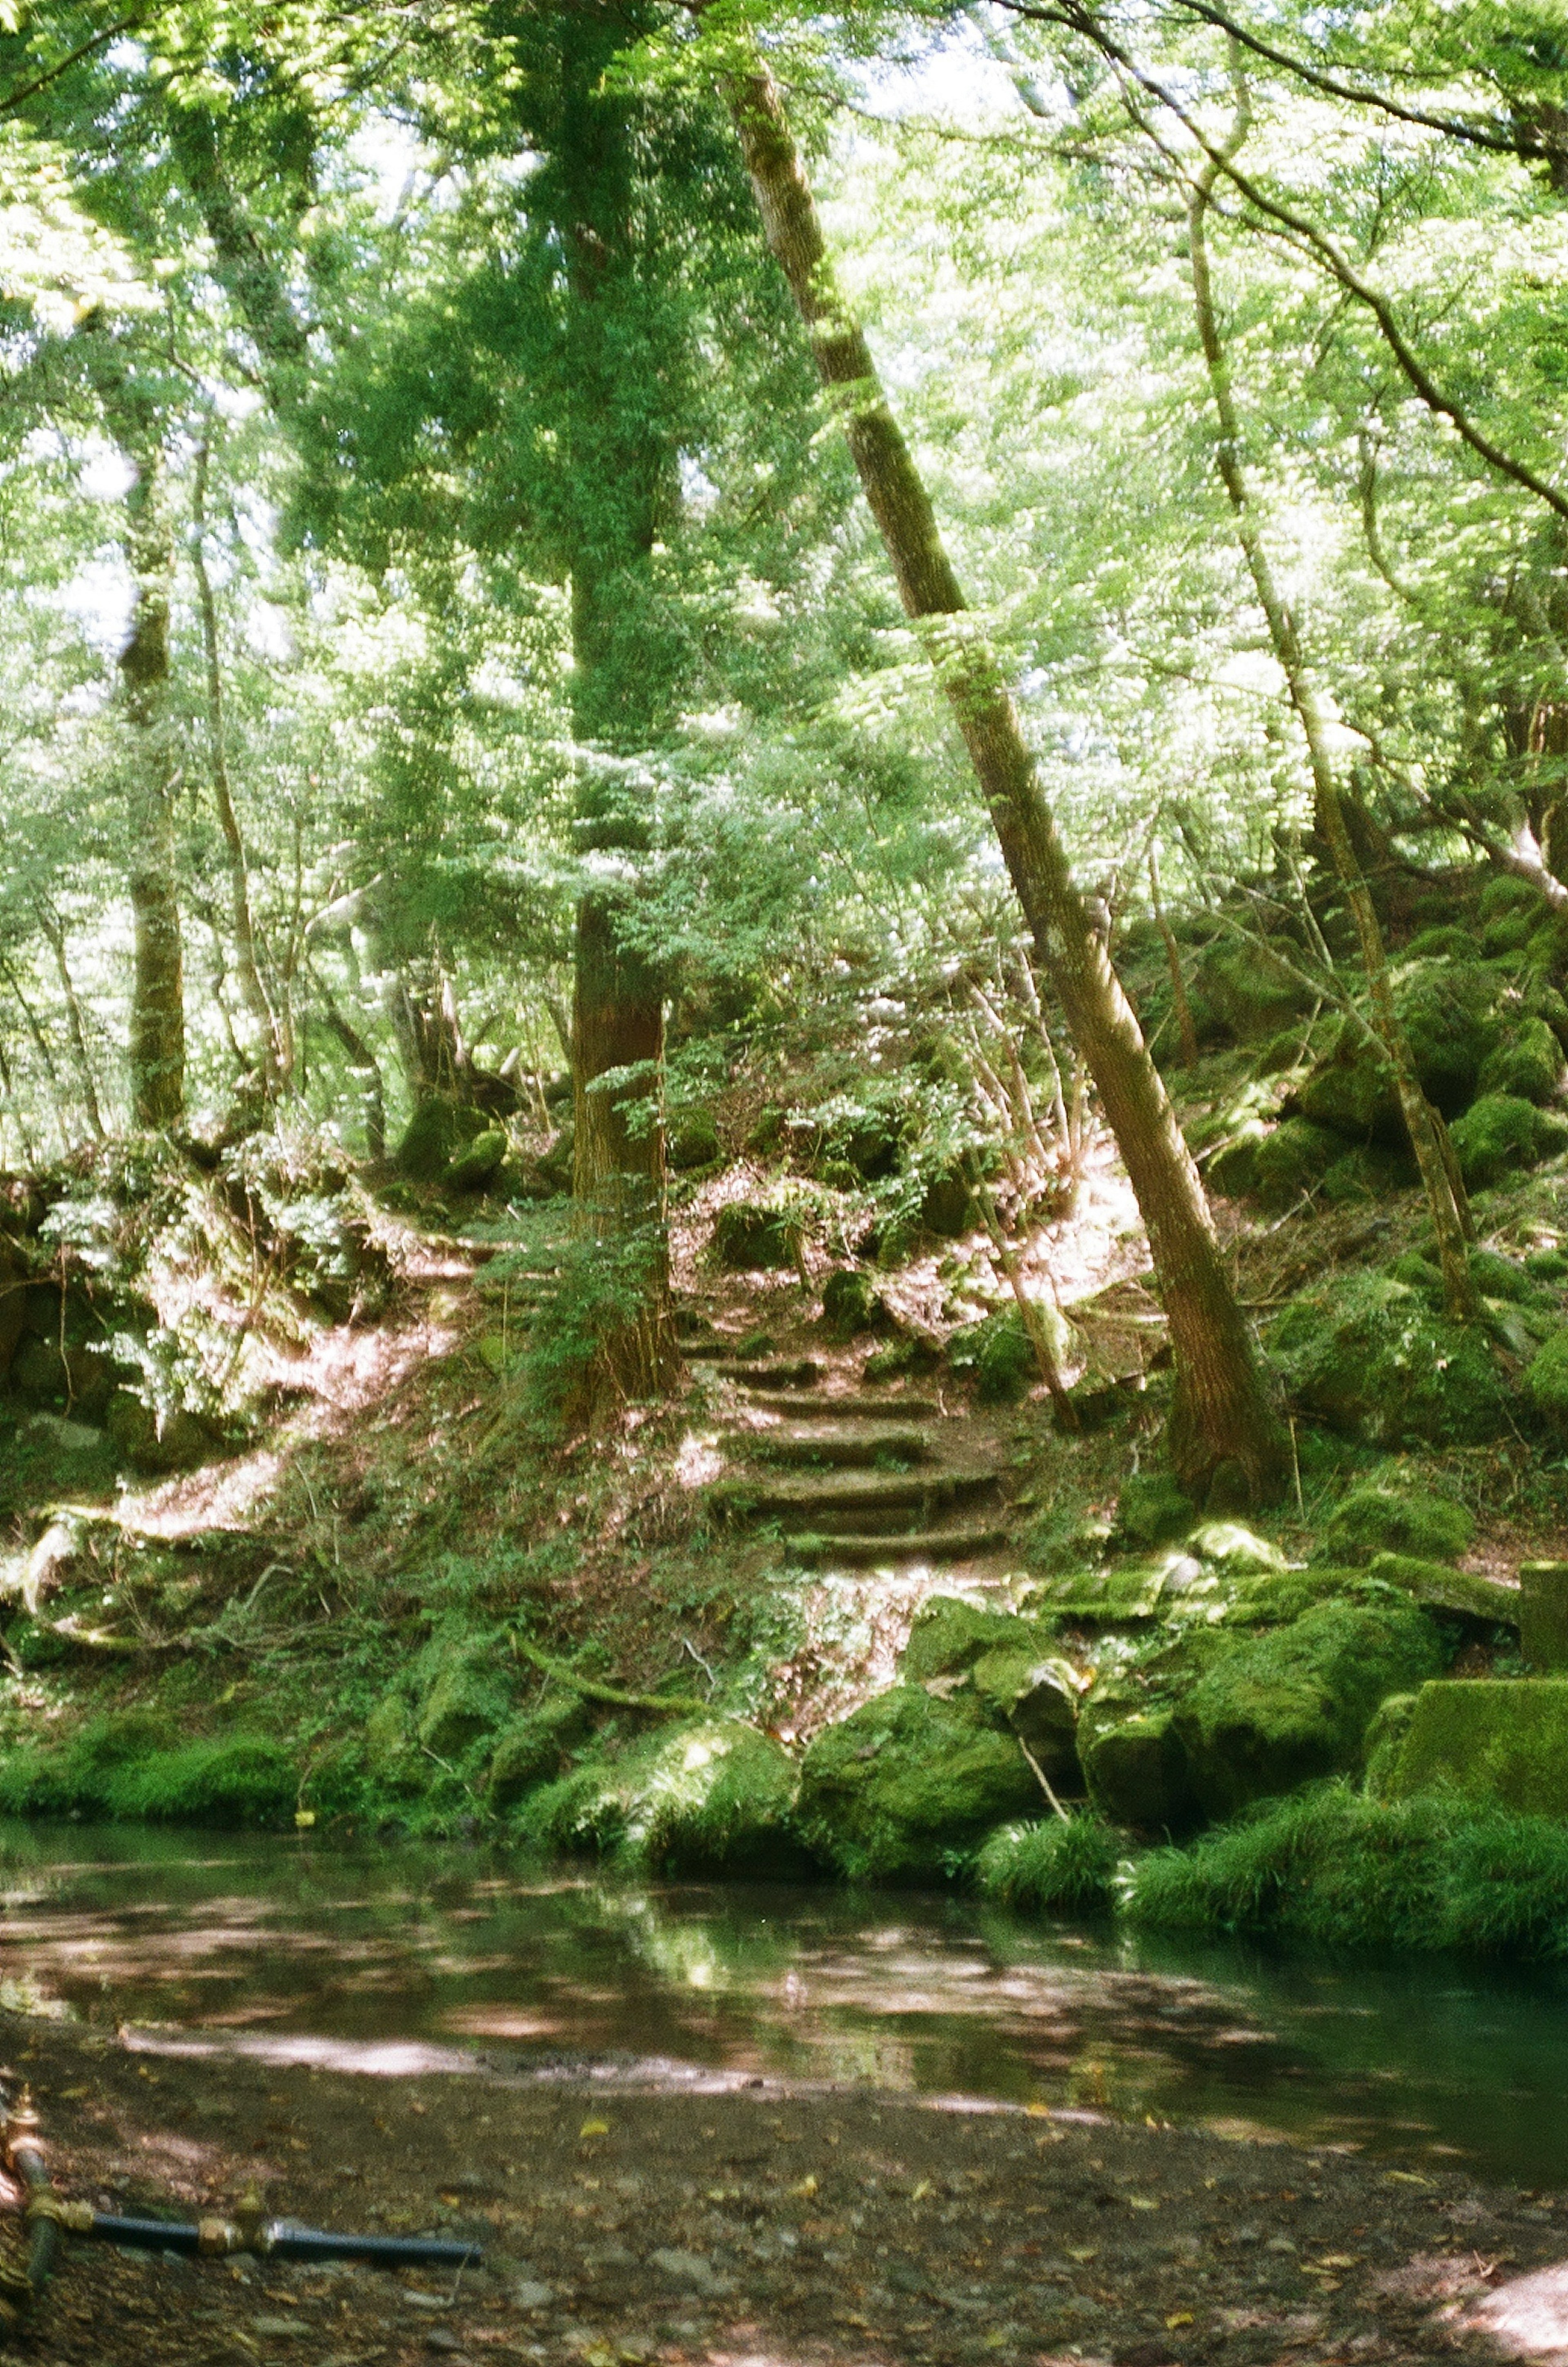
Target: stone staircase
<point x="854" y="1478"/>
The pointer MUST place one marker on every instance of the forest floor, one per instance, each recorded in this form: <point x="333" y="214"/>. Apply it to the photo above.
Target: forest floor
<point x="727" y="2220"/>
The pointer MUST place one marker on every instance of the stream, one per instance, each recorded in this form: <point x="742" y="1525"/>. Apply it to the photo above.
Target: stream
<point x="391" y="1957"/>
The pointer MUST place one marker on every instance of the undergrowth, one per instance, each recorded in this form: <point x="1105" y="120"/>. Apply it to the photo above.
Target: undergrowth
<point x="1068" y="1867"/>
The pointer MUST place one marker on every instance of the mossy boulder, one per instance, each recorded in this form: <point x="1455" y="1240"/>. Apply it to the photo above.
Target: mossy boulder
<point x="531" y="1750"/>
<point x="908" y="1785"/>
<point x="1502" y="1742"/>
<point x="947" y="1207"/>
<point x="469" y="1696"/>
<point x="1384" y="1742"/>
<point x="1037" y="1700"/>
<point x="1293" y="1705"/>
<point x="949" y="1635"/>
<point x="747" y="1237"/>
<point x="1253" y="990"/>
<point x="1500" y="1135"/>
<point x="437" y="1133"/>
<point x="1237" y="1551"/>
<point x="1547" y="1380"/>
<point x="1292" y="1160"/>
<point x="851" y="1305"/>
<point x="1449" y="1012"/>
<point x="692" y="1141"/>
<point x="1529" y="1065"/>
<point x="1374" y="1519"/>
<point x="1442" y="1588"/>
<point x="1372" y="1357"/>
<point x="1370" y="1172"/>
<point x="716" y="1796"/>
<point x="1152" y="1510"/>
<point x="1134" y="1765"/>
<point x="479" y="1163"/>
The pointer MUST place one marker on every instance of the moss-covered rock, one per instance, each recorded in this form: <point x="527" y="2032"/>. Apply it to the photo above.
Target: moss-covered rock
<point x="1254" y="991"/>
<point x="531" y="1750"/>
<point x="1375" y="1518"/>
<point x="851" y="1305"/>
<point x="692" y="1141"/>
<point x="1292" y="1160"/>
<point x="1293" y="1705"/>
<point x="1529" y="1064"/>
<point x="1442" y="1588"/>
<point x="1499" y="1135"/>
<point x="479" y="1163"/>
<point x="156" y="1440"/>
<point x="439" y="1130"/>
<point x="997" y="1353"/>
<point x="1369" y="1171"/>
<point x="1449" y="1011"/>
<point x="907" y="1784"/>
<point x="468" y="1696"/>
<point x="1370" y="1357"/>
<point x="949" y="1635"/>
<point x="746" y="1237"/>
<point x="1504" y="1742"/>
<point x="1238" y="1551"/>
<point x="1496" y="1276"/>
<point x="1152" y="1510"/>
<point x="1134" y="1765"/>
<point x="1037" y="1700"/>
<point x="1547" y="1380"/>
<point x="716" y="1796"/>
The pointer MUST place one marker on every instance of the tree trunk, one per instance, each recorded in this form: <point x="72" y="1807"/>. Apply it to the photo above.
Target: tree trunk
<point x="1223" y="1425"/>
<point x="157" y="1047"/>
<point x="54" y="929"/>
<point x="1441" y="1181"/>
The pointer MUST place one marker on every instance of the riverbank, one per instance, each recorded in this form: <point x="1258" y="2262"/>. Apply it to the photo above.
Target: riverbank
<point x="720" y="2219"/>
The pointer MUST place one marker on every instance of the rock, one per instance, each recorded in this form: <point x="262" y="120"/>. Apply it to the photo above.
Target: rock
<point x="948" y="1208"/>
<point x="746" y="1237"/>
<point x="467" y="1698"/>
<point x="479" y="1163"/>
<point x="1373" y="1519"/>
<point x="1543" y="1613"/>
<point x="1252" y="990"/>
<point x="1038" y="1699"/>
<point x="1152" y="1510"/>
<point x="692" y="1141"/>
<point x="1370" y="1356"/>
<point x="1525" y="2318"/>
<point x="1500" y="1133"/>
<point x="1295" y="1704"/>
<point x="1371" y="1171"/>
<point x="851" y="1305"/>
<point x="1135" y="1768"/>
<point x="1448" y="1010"/>
<point x="714" y="1796"/>
<point x="893" y="1792"/>
<point x="691" y="2273"/>
<point x="1504" y="1742"/>
<point x="1291" y="1160"/>
<point x="949" y="1635"/>
<point x="532" y="1749"/>
<point x="1529" y="1064"/>
<point x="1227" y="1546"/>
<point x="1442" y="1589"/>
<point x="1496" y="1276"/>
<point x="529" y="2293"/>
<point x="436" y="1133"/>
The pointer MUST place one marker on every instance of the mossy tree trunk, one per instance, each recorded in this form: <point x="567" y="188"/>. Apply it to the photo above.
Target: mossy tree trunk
<point x="1224" y="1420"/>
<point x="1441" y="1181"/>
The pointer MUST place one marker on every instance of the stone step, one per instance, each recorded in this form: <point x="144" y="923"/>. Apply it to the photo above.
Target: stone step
<point x="803" y="1373"/>
<point x="860" y="1450"/>
<point x="850" y="1409"/>
<point x="838" y="1499"/>
<point x="879" y="1546"/>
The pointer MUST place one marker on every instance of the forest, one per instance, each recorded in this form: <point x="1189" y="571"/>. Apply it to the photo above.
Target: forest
<point x="783" y="943"/>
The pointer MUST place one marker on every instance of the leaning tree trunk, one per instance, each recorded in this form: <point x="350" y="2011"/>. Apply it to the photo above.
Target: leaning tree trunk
<point x="1223" y="1425"/>
<point x="1446" y="1199"/>
<point x="157" y="1046"/>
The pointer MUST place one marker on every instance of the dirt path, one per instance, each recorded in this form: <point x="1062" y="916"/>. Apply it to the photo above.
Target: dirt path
<point x="755" y="2223"/>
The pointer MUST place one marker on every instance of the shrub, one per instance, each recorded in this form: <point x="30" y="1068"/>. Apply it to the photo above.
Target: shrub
<point x="1066" y="1867"/>
<point x="600" y="1292"/>
<point x="998" y="1355"/>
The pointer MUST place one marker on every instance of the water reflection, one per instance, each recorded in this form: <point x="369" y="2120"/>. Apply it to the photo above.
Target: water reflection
<point x="262" y="1943"/>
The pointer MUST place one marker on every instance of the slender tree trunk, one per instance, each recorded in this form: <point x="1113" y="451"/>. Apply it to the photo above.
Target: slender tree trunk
<point x="1428" y="1137"/>
<point x="157" y="1047"/>
<point x="270" y="1050"/>
<point x="1186" y="1032"/>
<point x="1223" y="1421"/>
<point x="75" y="1026"/>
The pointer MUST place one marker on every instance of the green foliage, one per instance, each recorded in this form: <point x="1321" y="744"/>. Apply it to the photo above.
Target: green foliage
<point x="1064" y="1868"/>
<point x="998" y="1355"/>
<point x="1505" y="1743"/>
<point x="131" y="1766"/>
<point x="1547" y="1380"/>
<point x="602" y="1289"/>
<point x="1331" y="1869"/>
<point x="713" y="1798"/>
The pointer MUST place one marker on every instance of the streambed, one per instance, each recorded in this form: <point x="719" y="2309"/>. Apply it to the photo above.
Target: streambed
<point x="301" y="1952"/>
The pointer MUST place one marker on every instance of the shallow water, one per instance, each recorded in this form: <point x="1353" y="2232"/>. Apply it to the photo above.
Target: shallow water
<point x="295" y="1948"/>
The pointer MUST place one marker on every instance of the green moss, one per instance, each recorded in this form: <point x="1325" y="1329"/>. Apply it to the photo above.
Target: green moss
<point x="1065" y="1868"/>
<point x="126" y="1767"/>
<point x="1152" y="1510"/>
<point x="1292" y="1160"/>
<point x="478" y="1162"/>
<point x="746" y="1237"/>
<point x="1502" y="1742"/>
<point x="998" y="1356"/>
<point x="949" y="1635"/>
<point x="909" y="1784"/>
<point x="851" y="1305"/>
<point x="1547" y="1379"/>
<point x="1371" y="1357"/>
<point x="1135" y="1766"/>
<point x="1500" y="1133"/>
<point x="1373" y="1519"/>
<point x="1496" y="1276"/>
<point x="1529" y="1064"/>
<point x="693" y="1141"/>
<point x="1370" y="1172"/>
<point x="715" y="1797"/>
<point x="469" y="1695"/>
<point x="1442" y="1588"/>
<point x="1294" y="1704"/>
<point x="437" y="1133"/>
<point x="1383" y="1743"/>
<point x="1332" y="1869"/>
<point x="530" y="1750"/>
<point x="1236" y="1550"/>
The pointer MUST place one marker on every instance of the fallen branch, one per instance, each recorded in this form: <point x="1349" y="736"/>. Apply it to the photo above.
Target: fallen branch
<point x="658" y="1705"/>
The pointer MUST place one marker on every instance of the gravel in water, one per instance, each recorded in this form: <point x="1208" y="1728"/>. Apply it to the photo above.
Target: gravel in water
<point x="765" y="2224"/>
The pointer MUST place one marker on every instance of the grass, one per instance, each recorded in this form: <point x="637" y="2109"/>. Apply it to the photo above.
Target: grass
<point x="1069" y="1868"/>
<point x="129" y="1769"/>
<point x="1332" y="1869"/>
